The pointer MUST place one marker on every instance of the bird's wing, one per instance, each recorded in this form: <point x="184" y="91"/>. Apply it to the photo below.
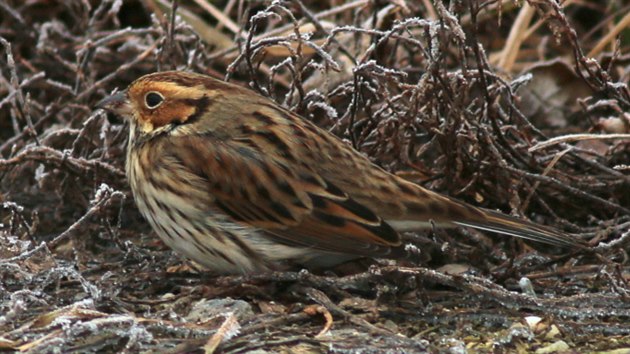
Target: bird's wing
<point x="292" y="204"/>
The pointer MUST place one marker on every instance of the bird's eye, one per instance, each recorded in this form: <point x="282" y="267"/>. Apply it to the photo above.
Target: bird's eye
<point x="153" y="99"/>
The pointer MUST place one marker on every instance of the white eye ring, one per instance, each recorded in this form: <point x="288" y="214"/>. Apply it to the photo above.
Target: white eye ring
<point x="153" y="99"/>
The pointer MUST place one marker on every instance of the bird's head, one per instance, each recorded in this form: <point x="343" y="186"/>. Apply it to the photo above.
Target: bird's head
<point x="162" y="101"/>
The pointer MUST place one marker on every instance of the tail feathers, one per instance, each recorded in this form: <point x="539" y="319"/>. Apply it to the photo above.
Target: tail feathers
<point x="448" y="212"/>
<point x="511" y="226"/>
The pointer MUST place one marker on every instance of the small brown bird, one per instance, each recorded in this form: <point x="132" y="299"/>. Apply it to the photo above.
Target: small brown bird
<point x="240" y="184"/>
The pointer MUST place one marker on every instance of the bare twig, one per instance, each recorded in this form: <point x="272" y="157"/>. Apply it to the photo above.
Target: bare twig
<point x="577" y="137"/>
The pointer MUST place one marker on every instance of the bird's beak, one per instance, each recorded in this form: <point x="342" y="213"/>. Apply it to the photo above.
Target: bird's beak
<point x="116" y="103"/>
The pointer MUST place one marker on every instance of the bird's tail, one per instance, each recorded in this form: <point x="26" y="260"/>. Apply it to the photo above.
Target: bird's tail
<point x="448" y="212"/>
<point x="508" y="225"/>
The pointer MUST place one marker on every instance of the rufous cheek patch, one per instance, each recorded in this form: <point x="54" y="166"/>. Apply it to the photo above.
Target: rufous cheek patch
<point x="170" y="112"/>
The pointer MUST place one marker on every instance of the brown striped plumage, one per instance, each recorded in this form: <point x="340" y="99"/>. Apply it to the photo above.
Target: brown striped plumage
<point x="240" y="184"/>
